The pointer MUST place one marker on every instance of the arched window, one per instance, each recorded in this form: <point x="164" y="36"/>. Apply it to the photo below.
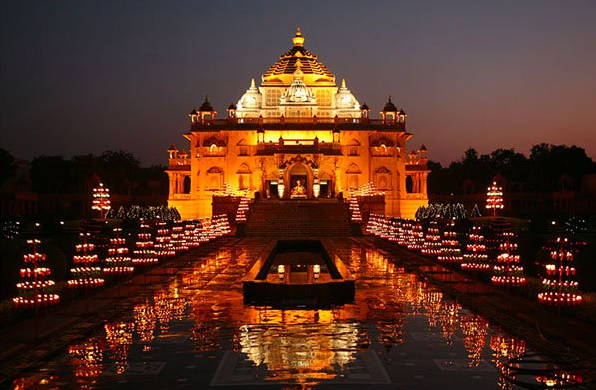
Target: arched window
<point x="186" y="185"/>
<point x="409" y="184"/>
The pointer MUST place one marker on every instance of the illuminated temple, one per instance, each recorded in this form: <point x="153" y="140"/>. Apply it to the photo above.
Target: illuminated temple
<point x="297" y="136"/>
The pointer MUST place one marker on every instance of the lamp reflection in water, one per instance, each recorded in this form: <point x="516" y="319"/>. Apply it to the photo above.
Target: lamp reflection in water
<point x="432" y="298"/>
<point x="87" y="361"/>
<point x="505" y="348"/>
<point x="546" y="371"/>
<point x="145" y="321"/>
<point x="560" y="378"/>
<point x="119" y="338"/>
<point x="475" y="328"/>
<point x="449" y="319"/>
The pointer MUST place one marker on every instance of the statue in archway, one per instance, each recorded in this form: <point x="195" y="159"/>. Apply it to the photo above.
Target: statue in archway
<point x="298" y="189"/>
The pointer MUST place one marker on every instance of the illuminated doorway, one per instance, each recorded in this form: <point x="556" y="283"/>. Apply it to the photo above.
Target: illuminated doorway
<point x="325" y="190"/>
<point x="299" y="186"/>
<point x="271" y="189"/>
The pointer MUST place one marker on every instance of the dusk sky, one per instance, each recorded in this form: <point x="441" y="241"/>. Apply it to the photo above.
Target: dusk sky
<point x="83" y="77"/>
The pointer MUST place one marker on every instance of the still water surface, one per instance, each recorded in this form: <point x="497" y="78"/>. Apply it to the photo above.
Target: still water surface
<point x="194" y="331"/>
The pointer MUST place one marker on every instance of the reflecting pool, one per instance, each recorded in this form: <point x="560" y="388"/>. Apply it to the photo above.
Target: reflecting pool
<point x="194" y="331"/>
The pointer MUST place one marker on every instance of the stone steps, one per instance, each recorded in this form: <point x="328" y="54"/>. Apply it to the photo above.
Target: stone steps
<point x="298" y="219"/>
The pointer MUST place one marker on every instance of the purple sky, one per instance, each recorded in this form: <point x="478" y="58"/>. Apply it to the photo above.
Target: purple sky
<point x="87" y="76"/>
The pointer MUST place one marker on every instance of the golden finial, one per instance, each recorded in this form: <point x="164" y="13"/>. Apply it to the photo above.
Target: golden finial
<point x="298" y="38"/>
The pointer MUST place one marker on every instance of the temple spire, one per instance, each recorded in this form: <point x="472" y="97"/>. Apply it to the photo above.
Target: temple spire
<point x="298" y="38"/>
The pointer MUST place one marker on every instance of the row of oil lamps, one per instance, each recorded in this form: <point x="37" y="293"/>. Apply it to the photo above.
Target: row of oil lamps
<point x="35" y="288"/>
<point x="497" y="255"/>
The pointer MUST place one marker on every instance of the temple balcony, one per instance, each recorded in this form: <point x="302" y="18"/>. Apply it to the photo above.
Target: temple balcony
<point x="212" y="151"/>
<point x="179" y="164"/>
<point x="298" y="146"/>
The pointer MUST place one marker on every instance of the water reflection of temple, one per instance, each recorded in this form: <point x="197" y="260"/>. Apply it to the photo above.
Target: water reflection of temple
<point x="301" y="346"/>
<point x="296" y="344"/>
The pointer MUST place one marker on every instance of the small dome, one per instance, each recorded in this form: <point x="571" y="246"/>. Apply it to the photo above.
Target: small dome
<point x="251" y="99"/>
<point x="364" y="107"/>
<point x="206" y="106"/>
<point x="232" y="106"/>
<point x="344" y="98"/>
<point x="389" y="106"/>
<point x="401" y="112"/>
<point x="423" y="148"/>
<point x="172" y="148"/>
<point x="193" y="112"/>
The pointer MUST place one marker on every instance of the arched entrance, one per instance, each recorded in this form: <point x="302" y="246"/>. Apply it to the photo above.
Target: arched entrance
<point x="299" y="178"/>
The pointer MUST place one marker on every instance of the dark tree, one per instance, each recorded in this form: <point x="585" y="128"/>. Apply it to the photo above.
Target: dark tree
<point x="549" y="163"/>
<point x="7" y="166"/>
<point x="84" y="168"/>
<point x="51" y="174"/>
<point x="120" y="168"/>
<point x="512" y="166"/>
<point x="152" y="181"/>
<point x="549" y="168"/>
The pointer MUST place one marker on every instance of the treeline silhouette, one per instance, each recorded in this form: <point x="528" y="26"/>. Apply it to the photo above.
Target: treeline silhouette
<point x="119" y="170"/>
<point x="548" y="168"/>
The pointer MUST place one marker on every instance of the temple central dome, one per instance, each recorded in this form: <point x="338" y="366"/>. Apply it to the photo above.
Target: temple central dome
<point x="298" y="57"/>
<point x="298" y="86"/>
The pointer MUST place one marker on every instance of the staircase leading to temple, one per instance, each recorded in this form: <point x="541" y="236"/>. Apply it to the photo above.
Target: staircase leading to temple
<point x="298" y="219"/>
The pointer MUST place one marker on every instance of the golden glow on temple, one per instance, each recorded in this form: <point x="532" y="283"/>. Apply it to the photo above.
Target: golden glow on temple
<point x="297" y="128"/>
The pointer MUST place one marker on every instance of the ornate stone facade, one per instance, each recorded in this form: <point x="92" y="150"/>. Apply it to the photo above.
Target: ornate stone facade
<point x="297" y="136"/>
